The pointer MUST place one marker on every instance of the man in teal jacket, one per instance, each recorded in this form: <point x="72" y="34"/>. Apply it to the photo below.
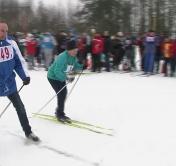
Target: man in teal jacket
<point x="60" y="72"/>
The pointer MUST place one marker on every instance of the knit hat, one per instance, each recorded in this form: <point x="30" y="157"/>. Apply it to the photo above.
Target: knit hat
<point x="71" y="45"/>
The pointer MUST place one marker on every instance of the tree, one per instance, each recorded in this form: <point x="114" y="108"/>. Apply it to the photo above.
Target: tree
<point x="101" y="14"/>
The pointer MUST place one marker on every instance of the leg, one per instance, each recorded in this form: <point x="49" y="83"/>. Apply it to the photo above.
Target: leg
<point x="107" y="62"/>
<point x="93" y="63"/>
<point x="61" y="101"/>
<point x="57" y="86"/>
<point x="151" y="63"/>
<point x="172" y="64"/>
<point x="98" y="60"/>
<point x="146" y="62"/>
<point x="21" y="112"/>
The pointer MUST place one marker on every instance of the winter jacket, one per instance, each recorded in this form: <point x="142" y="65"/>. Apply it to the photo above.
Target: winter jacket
<point x="174" y="49"/>
<point x="81" y="45"/>
<point x="150" y="45"/>
<point x="97" y="45"/>
<point x="48" y="41"/>
<point x="11" y="61"/>
<point x="167" y="49"/>
<point x="107" y="44"/>
<point x="31" y="47"/>
<point x="63" y="64"/>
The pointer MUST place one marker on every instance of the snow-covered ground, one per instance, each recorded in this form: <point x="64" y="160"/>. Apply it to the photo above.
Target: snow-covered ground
<point x="141" y="110"/>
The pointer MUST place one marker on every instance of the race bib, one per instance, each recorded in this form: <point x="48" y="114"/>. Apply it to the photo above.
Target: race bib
<point x="150" y="39"/>
<point x="6" y="53"/>
<point x="69" y="68"/>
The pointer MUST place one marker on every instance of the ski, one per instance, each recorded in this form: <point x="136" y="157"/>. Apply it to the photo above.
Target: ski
<point x="76" y="121"/>
<point x="76" y="125"/>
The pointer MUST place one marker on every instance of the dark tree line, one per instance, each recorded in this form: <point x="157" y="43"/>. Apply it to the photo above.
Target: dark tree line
<point x="111" y="15"/>
<point x="25" y="17"/>
<point x="129" y="15"/>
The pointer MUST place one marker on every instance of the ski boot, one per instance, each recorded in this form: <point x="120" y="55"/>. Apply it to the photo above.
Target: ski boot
<point x="33" y="137"/>
<point x="64" y="119"/>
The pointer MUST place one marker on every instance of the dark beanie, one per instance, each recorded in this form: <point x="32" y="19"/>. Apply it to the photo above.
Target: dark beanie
<point x="71" y="45"/>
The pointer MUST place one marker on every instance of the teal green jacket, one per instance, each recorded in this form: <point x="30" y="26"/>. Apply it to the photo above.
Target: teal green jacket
<point x="63" y="64"/>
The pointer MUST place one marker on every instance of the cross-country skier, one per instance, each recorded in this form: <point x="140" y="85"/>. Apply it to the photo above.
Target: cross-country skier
<point x="11" y="61"/>
<point x="60" y="72"/>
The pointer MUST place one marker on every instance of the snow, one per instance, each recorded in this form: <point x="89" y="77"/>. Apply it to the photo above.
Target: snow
<point x="140" y="110"/>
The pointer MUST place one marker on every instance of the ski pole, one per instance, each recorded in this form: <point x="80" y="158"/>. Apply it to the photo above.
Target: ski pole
<point x="51" y="99"/>
<point x="74" y="84"/>
<point x="9" y="103"/>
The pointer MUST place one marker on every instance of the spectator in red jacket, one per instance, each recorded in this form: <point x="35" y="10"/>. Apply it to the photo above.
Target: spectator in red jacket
<point x="31" y="48"/>
<point x="97" y="49"/>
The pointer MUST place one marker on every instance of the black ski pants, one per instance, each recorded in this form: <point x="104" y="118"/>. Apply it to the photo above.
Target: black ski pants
<point x="61" y="96"/>
<point x="21" y="112"/>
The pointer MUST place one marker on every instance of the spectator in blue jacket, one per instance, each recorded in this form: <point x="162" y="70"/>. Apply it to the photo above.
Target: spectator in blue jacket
<point x="149" y="52"/>
<point x="11" y="61"/>
<point x="48" y="45"/>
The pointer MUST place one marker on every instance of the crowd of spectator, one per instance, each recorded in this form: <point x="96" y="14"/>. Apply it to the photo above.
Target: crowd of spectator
<point x="149" y="53"/>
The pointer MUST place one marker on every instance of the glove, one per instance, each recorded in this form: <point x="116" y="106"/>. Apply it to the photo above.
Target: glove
<point x="71" y="74"/>
<point x="26" y="81"/>
<point x="70" y="79"/>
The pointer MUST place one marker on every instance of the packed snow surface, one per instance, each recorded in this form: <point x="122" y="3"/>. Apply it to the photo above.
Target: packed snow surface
<point x="140" y="110"/>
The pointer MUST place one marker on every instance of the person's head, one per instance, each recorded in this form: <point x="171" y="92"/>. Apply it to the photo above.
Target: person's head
<point x="120" y="34"/>
<point x="97" y="36"/>
<point x="3" y="30"/>
<point x="151" y="33"/>
<point x="72" y="48"/>
<point x="106" y="33"/>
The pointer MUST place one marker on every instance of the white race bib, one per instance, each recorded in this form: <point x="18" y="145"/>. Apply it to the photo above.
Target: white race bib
<point x="150" y="39"/>
<point x="69" y="68"/>
<point x="6" y="53"/>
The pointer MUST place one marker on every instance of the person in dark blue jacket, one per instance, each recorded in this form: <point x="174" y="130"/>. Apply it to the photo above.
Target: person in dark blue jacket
<point x="149" y="52"/>
<point x="11" y="62"/>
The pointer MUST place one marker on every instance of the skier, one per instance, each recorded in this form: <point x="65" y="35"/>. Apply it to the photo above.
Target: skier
<point x="11" y="60"/>
<point x="61" y="71"/>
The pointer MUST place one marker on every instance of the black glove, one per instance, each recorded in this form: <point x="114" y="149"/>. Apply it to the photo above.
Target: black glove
<point x="70" y="79"/>
<point x="71" y="74"/>
<point x="26" y="81"/>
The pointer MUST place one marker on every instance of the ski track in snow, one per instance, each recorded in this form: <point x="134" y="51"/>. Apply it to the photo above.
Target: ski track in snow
<point x="52" y="149"/>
